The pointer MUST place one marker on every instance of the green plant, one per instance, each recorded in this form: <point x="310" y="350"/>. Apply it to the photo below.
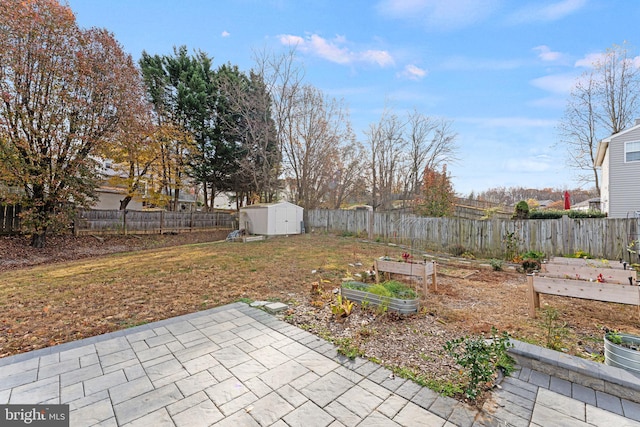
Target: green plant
<point x="445" y="388"/>
<point x="468" y="255"/>
<point x="379" y="289"/>
<point x="555" y="329"/>
<point x="511" y="240"/>
<point x="557" y="214"/>
<point x="399" y="289"/>
<point x="521" y="210"/>
<point x="342" y="308"/>
<point x="581" y="254"/>
<point x="347" y="348"/>
<point x="389" y="288"/>
<point x="480" y="359"/>
<point x="614" y="337"/>
<point x="533" y="255"/>
<point x="496" y="264"/>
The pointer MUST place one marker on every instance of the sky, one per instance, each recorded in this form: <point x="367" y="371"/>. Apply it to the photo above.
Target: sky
<point x="500" y="70"/>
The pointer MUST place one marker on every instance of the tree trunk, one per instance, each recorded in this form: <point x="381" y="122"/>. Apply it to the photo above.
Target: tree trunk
<point x="38" y="239"/>
<point x="125" y="202"/>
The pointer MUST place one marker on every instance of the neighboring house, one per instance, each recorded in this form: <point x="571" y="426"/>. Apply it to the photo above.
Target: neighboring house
<point x="109" y="195"/>
<point x="587" y="205"/>
<point x="618" y="156"/>
<point x="546" y="204"/>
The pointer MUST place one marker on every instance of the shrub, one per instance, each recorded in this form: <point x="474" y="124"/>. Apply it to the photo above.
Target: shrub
<point x="580" y="254"/>
<point x="457" y="250"/>
<point x="556" y="214"/>
<point x="530" y="265"/>
<point x="521" y="211"/>
<point x="468" y="255"/>
<point x="481" y="358"/>
<point x="496" y="264"/>
<point x="586" y="214"/>
<point x="533" y="255"/>
<point x="546" y="214"/>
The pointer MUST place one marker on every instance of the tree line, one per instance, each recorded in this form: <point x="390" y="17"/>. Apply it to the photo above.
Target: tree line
<point x="71" y="98"/>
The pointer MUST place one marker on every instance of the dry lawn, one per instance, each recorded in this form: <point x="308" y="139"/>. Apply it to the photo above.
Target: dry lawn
<point x="54" y="303"/>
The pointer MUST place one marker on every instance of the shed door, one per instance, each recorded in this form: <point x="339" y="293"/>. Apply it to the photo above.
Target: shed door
<point x="285" y="220"/>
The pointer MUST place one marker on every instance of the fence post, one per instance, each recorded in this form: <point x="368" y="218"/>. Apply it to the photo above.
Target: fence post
<point x="434" y="278"/>
<point x="161" y="221"/>
<point x="124" y="222"/>
<point x="191" y="221"/>
<point x="533" y="296"/>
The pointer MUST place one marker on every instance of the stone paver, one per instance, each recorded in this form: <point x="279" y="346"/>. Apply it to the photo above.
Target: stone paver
<point x="239" y="366"/>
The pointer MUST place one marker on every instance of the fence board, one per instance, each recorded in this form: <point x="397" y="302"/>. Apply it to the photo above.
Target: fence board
<point x="9" y="219"/>
<point x="148" y="222"/>
<point x="601" y="237"/>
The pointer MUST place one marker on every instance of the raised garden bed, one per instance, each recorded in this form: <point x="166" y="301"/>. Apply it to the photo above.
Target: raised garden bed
<point x="625" y="354"/>
<point x="358" y="292"/>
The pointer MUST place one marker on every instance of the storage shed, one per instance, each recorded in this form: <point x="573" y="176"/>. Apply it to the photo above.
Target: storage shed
<point x="272" y="219"/>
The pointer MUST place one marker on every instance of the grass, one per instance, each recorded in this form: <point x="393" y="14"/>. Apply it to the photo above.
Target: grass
<point x="51" y="304"/>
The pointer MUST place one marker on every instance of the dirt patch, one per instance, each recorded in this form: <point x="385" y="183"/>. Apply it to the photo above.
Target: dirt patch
<point x="74" y="289"/>
<point x="15" y="251"/>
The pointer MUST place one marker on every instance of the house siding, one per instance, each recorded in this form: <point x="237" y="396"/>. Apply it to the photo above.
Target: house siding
<point x="604" y="184"/>
<point x="623" y="178"/>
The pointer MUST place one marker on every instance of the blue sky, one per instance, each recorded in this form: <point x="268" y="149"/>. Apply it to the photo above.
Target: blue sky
<point x="501" y="70"/>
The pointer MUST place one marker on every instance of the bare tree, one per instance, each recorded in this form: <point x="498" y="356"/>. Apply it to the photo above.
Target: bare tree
<point x="603" y="101"/>
<point x="348" y="182"/>
<point x="319" y="125"/>
<point x="402" y="150"/>
<point x="282" y="77"/>
<point x="431" y="145"/>
<point x="387" y="145"/>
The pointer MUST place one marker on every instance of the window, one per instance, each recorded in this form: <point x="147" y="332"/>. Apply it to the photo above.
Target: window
<point x="632" y="151"/>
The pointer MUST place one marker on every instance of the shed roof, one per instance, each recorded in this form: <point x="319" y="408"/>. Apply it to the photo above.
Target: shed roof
<point x="267" y="205"/>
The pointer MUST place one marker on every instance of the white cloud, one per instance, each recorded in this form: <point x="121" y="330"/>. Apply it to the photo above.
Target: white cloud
<point x="337" y="50"/>
<point x="291" y="40"/>
<point x="508" y="122"/>
<point x="546" y="13"/>
<point x="464" y="63"/>
<point x="546" y="54"/>
<point x="225" y="34"/>
<point x="438" y="14"/>
<point x="557" y="83"/>
<point x="590" y="60"/>
<point x="413" y="72"/>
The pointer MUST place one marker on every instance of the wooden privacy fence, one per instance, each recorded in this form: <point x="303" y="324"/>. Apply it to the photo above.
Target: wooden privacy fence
<point x="601" y="237"/>
<point x="9" y="219"/>
<point x="148" y="222"/>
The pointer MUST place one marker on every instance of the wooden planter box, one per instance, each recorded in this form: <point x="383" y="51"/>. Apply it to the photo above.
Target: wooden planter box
<point x="403" y="306"/>
<point x="621" y="294"/>
<point x="422" y="270"/>
<point x="623" y="357"/>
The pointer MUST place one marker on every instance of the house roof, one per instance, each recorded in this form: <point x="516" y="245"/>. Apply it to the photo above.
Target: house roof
<point x="603" y="145"/>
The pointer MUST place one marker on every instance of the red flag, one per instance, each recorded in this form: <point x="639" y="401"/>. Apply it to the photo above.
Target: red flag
<point x="567" y="201"/>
